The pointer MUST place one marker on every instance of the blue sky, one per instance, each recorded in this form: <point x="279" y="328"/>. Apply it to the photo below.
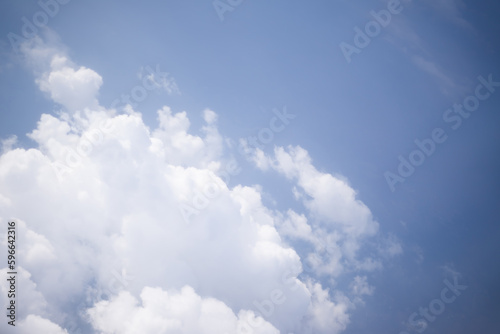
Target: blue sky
<point x="353" y="117"/>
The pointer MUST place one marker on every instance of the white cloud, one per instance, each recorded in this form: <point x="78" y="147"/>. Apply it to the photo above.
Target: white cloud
<point x="74" y="89"/>
<point x="28" y="293"/>
<point x="109" y="237"/>
<point x="37" y="324"/>
<point x="329" y="199"/>
<point x="173" y="142"/>
<point x="329" y="316"/>
<point x="9" y="143"/>
<point x="173" y="312"/>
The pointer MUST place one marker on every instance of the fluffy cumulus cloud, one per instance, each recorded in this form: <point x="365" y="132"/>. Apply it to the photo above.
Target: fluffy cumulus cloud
<point x="172" y="312"/>
<point x="336" y="224"/>
<point x="74" y="87"/>
<point x="127" y="229"/>
<point x="36" y="324"/>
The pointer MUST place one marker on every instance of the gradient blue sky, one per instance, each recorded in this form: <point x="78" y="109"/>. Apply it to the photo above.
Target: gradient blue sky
<point x="354" y="119"/>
